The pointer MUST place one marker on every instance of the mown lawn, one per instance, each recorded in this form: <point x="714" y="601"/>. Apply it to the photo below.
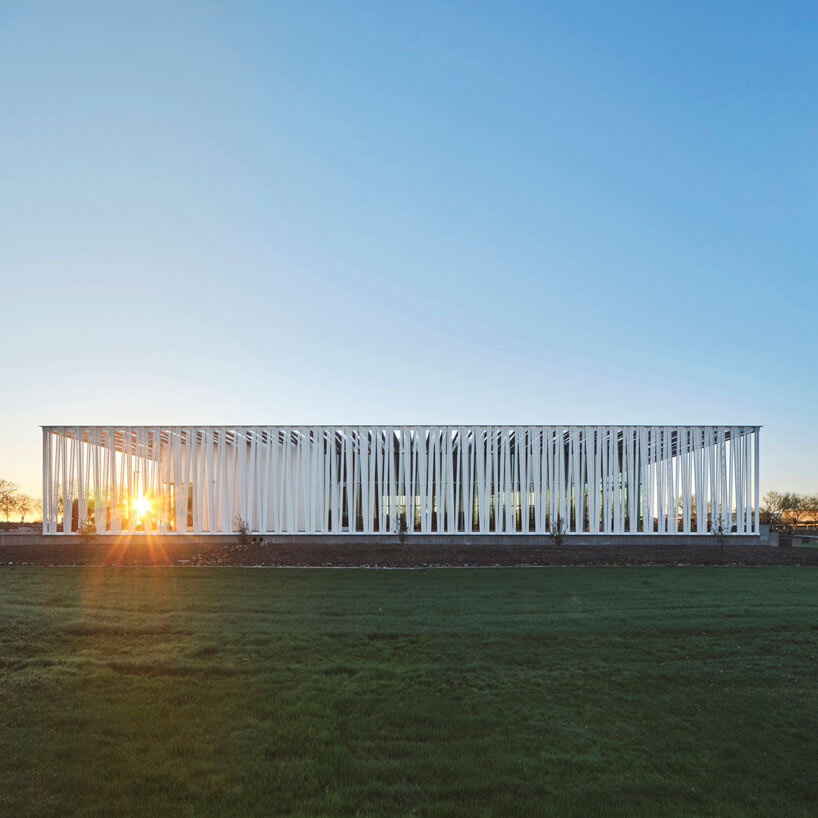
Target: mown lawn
<point x="462" y="692"/>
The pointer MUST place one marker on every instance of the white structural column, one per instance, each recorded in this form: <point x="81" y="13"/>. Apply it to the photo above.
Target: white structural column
<point x="367" y="479"/>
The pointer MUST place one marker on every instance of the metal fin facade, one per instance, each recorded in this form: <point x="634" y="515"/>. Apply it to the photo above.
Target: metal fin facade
<point x="365" y="479"/>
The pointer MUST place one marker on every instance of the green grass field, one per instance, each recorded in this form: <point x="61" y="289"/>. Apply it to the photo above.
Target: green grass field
<point x="455" y="692"/>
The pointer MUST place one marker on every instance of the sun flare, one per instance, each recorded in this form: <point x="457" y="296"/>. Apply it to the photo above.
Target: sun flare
<point x="142" y="506"/>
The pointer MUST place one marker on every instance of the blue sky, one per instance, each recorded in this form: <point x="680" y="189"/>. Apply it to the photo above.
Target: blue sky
<point x="419" y="212"/>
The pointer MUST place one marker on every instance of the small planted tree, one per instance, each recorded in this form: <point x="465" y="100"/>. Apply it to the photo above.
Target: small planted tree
<point x="243" y="536"/>
<point x="718" y="532"/>
<point x="403" y="531"/>
<point x="87" y="531"/>
<point x="556" y="529"/>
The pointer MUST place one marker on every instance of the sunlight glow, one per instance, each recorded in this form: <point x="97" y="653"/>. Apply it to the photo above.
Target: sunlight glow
<point x="142" y="506"/>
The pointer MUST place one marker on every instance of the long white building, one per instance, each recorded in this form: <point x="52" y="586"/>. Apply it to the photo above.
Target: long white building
<point x="374" y="479"/>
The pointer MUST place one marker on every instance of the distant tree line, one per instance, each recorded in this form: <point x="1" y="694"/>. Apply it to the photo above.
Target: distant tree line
<point x="788" y="510"/>
<point x="14" y="502"/>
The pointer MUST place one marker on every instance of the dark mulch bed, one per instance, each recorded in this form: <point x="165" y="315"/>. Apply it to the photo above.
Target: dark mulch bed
<point x="158" y="552"/>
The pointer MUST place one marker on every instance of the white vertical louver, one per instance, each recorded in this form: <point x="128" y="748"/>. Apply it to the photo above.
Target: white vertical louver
<point x="361" y="479"/>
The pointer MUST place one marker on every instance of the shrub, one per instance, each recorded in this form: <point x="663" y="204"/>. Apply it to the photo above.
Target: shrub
<point x="243" y="536"/>
<point x="556" y="530"/>
<point x="403" y="531"/>
<point x="718" y="532"/>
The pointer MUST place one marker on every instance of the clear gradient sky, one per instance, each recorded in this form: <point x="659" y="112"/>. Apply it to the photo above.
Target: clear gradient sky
<point x="410" y="212"/>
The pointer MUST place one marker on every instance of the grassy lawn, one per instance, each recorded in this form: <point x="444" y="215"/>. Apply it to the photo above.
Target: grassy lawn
<point x="462" y="692"/>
